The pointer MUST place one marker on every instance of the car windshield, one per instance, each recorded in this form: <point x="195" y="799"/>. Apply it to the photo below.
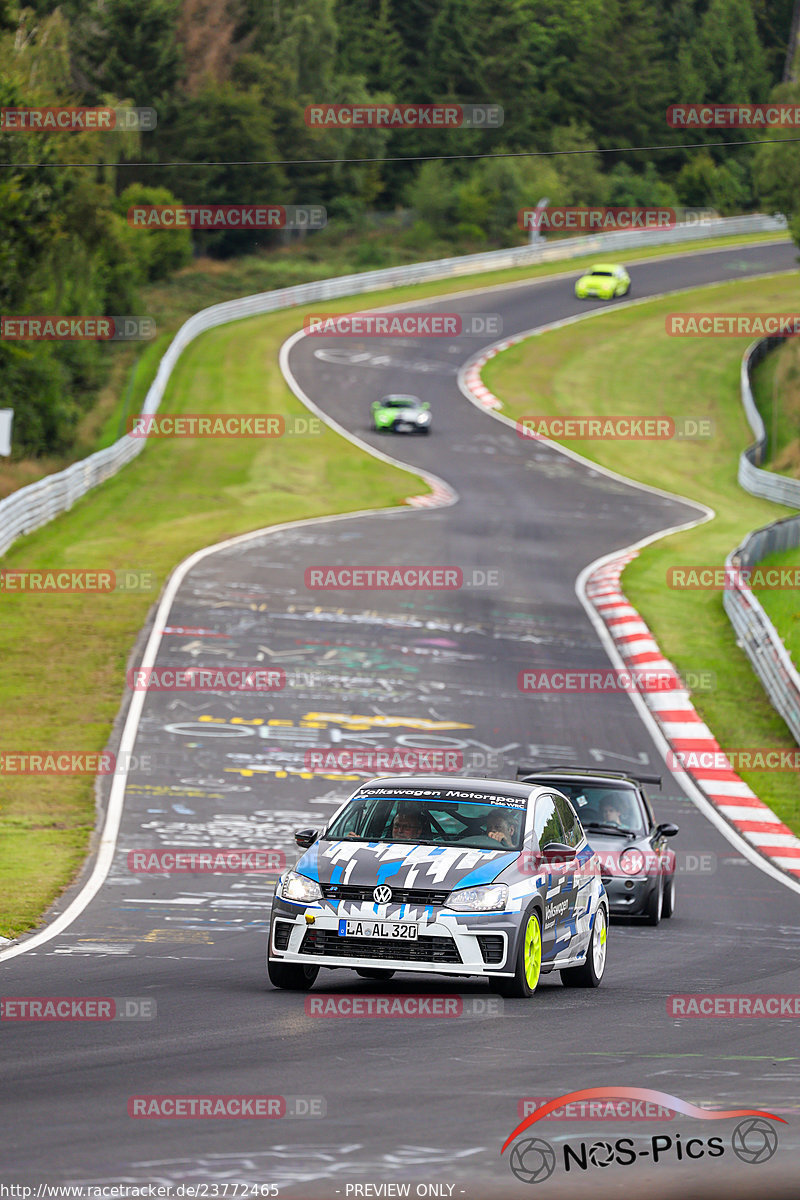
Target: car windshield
<point x="431" y="821"/>
<point x="602" y="272"/>
<point x="400" y="402"/>
<point x="604" y="804"/>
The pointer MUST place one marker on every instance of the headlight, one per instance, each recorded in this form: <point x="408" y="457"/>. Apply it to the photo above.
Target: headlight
<point x="631" y="862"/>
<point x="423" y="418"/>
<point x="489" y="898"/>
<point x="300" y="887"/>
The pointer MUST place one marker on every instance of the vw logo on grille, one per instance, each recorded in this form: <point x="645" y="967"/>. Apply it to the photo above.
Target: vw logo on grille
<point x="382" y="894"/>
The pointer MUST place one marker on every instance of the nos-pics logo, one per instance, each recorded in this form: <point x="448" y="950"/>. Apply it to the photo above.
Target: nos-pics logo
<point x="533" y="1159"/>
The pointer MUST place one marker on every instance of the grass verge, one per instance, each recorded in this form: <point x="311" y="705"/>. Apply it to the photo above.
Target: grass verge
<point x="567" y="372"/>
<point x="65" y="656"/>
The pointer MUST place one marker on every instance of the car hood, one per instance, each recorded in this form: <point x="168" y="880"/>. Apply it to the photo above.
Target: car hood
<point x="367" y="864"/>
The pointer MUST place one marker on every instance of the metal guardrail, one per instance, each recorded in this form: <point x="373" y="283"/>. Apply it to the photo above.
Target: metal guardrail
<point x="766" y="484"/>
<point x="35" y="505"/>
<point x="756" y="634"/>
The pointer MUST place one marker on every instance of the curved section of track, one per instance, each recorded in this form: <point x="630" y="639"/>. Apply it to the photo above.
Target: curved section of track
<point x="427" y="1102"/>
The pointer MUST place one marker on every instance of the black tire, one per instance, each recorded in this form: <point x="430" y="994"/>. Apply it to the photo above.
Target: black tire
<point x="291" y="977"/>
<point x="590" y="973"/>
<point x="425" y="431"/>
<point x="654" y="902"/>
<point x="377" y="973"/>
<point x="521" y="985"/>
<point x="668" y="903"/>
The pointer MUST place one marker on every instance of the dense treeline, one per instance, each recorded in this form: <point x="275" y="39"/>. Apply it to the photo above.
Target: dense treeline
<point x="231" y="79"/>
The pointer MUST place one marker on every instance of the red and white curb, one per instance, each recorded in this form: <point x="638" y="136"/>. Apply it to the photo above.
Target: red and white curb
<point x="683" y="728"/>
<point x="472" y="375"/>
<point x="439" y="496"/>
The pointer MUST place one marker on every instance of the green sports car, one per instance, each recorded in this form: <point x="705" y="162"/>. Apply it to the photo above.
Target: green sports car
<point x="604" y="280"/>
<point x="401" y="414"/>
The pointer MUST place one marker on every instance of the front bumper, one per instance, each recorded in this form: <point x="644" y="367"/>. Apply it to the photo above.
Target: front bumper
<point x="447" y="943"/>
<point x="628" y="895"/>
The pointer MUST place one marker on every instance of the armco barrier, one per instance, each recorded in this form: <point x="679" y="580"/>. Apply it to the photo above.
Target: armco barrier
<point x="756" y="634"/>
<point x="35" y="505"/>
<point x="752" y="478"/>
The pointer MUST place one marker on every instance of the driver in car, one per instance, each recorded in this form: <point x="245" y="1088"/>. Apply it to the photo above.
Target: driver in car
<point x="611" y="810"/>
<point x="408" y="824"/>
<point x="502" y="828"/>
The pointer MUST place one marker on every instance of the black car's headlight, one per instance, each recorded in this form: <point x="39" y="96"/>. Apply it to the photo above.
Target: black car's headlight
<point x="490" y="897"/>
<point x="299" y="888"/>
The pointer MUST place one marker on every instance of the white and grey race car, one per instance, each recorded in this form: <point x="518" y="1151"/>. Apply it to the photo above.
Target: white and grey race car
<point x="469" y="877"/>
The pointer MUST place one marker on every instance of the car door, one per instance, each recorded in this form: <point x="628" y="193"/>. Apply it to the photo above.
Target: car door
<point x="559" y="896"/>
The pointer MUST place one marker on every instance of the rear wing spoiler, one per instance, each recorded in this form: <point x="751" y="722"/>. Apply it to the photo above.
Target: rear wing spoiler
<point x="524" y="772"/>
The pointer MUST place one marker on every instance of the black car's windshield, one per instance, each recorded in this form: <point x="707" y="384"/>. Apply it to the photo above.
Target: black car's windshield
<point x="604" y="807"/>
<point x="430" y="821"/>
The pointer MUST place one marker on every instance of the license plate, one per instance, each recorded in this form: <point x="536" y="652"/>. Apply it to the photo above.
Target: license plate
<point x="401" y="931"/>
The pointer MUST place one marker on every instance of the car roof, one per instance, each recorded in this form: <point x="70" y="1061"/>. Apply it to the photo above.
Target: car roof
<point x="434" y="785"/>
<point x="603" y="267"/>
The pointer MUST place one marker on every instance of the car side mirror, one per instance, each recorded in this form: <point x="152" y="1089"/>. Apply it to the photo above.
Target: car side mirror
<point x="558" y="853"/>
<point x="667" y="829"/>
<point x="306" y="837"/>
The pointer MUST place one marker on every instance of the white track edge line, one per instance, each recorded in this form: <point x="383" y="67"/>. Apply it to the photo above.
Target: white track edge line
<point x="108" y="838"/>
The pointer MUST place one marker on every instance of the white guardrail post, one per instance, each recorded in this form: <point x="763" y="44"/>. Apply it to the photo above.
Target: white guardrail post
<point x="35" y="505"/>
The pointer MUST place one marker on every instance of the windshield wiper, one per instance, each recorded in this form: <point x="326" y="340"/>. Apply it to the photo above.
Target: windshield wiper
<point x="605" y="826"/>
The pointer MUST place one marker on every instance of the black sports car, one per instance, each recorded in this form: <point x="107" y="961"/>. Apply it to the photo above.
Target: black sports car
<point x="637" y="865"/>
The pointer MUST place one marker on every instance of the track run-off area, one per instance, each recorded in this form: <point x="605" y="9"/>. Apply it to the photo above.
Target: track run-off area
<point x="372" y="1102"/>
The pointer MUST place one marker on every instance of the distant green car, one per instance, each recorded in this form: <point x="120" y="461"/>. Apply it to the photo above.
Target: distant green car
<point x="401" y="414"/>
<point x="605" y="281"/>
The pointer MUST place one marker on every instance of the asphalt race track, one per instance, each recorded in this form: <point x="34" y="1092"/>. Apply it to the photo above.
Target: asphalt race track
<point x="426" y="1101"/>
